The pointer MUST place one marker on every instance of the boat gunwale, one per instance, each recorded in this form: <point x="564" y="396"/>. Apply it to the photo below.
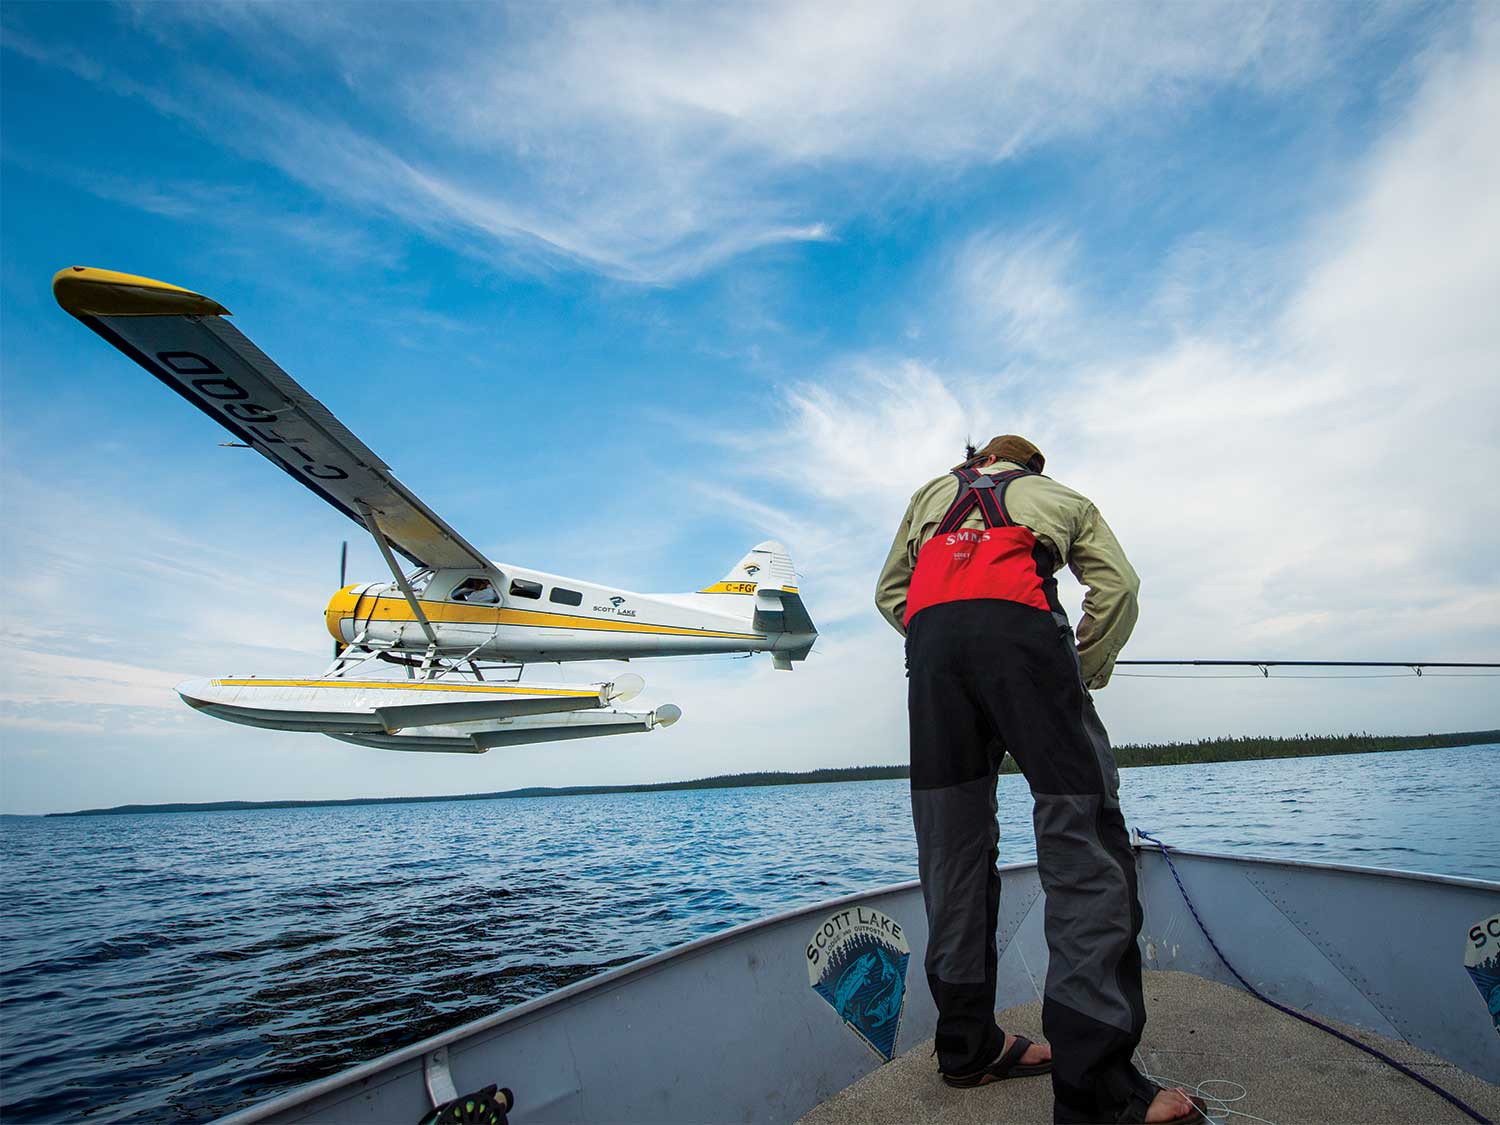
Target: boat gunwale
<point x="564" y="995"/>
<point x="571" y="993"/>
<point x="1466" y="881"/>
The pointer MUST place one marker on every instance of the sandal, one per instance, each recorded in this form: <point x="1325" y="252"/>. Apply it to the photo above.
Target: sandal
<point x="1008" y="1065"/>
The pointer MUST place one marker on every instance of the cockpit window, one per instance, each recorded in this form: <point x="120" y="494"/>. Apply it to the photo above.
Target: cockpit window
<point x="476" y="591"/>
<point x="521" y="588"/>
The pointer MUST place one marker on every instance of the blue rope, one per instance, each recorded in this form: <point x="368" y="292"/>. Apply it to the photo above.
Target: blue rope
<point x="1250" y="988"/>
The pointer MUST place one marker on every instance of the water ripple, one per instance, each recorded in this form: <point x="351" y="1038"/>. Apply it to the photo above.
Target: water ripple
<point x="180" y="966"/>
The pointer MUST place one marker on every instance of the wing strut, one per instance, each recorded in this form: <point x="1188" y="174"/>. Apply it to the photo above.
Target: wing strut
<point x="390" y="561"/>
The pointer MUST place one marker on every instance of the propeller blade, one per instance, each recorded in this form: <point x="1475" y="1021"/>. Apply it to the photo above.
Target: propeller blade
<point x="343" y="575"/>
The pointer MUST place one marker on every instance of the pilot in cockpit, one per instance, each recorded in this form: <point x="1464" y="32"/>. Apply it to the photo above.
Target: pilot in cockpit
<point x="477" y="591"/>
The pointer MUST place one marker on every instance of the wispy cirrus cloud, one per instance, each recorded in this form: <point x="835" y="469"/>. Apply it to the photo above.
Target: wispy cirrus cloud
<point x="651" y="142"/>
<point x="113" y="607"/>
<point x="1283" y="416"/>
<point x="1015" y="292"/>
<point x="1299" y="483"/>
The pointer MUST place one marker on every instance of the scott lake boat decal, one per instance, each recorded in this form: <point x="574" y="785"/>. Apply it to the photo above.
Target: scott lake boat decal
<point x="1482" y="959"/>
<point x="856" y="960"/>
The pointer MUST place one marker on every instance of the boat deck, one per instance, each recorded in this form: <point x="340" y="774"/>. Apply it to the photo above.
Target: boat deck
<point x="1197" y="1032"/>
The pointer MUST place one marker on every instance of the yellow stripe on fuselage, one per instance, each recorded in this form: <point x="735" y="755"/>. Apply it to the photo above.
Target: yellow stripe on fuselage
<point x="398" y="685"/>
<point x="458" y="613"/>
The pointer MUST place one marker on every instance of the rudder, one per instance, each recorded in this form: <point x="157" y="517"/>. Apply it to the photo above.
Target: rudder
<point x="765" y="565"/>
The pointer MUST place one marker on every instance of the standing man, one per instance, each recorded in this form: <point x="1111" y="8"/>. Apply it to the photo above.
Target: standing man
<point x="994" y="670"/>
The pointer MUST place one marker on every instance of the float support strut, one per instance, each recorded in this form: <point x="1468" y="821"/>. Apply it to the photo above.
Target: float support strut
<point x="390" y="561"/>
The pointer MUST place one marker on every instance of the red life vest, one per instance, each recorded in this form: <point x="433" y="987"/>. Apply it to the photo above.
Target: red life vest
<point x="1003" y="560"/>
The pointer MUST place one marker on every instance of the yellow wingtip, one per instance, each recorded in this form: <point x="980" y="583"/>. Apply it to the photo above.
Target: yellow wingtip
<point x="85" y="291"/>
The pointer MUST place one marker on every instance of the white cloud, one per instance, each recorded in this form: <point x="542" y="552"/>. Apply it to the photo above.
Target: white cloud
<point x="1015" y="292"/>
<point x="1305" y="472"/>
<point x="669" y="137"/>
<point x="953" y="80"/>
<point x="113" y="607"/>
<point x="1313" y="483"/>
<point x="653" y="141"/>
<point x="68" y="683"/>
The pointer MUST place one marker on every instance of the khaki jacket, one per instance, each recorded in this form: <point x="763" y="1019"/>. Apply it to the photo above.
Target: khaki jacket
<point x="1070" y="527"/>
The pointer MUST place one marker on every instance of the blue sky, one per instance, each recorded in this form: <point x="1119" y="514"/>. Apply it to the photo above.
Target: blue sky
<point x="622" y="289"/>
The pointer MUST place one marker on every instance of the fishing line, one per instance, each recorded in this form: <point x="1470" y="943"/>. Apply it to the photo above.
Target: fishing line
<point x="1159" y="1079"/>
<point x="1462" y="675"/>
<point x="1221" y="1108"/>
<point x="1452" y="1099"/>
<point x="1297" y="676"/>
<point x="1029" y="974"/>
<point x="1179" y="676"/>
<point x="1375" y="676"/>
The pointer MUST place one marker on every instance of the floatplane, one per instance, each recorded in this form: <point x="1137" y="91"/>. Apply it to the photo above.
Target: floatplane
<point x="461" y="626"/>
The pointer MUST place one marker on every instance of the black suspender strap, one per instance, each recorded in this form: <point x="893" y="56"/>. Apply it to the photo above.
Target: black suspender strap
<point x="989" y="505"/>
<point x="976" y="489"/>
<point x="962" y="504"/>
<point x="1003" y="481"/>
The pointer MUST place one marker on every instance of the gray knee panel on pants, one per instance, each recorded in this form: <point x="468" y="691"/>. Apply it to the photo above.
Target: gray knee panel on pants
<point x="959" y="834"/>
<point x="1088" y="908"/>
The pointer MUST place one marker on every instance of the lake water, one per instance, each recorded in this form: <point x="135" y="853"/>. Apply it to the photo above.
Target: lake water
<point x="178" y="966"/>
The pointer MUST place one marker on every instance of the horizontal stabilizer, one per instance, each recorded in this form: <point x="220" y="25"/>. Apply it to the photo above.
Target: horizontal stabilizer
<point x="779" y="612"/>
<point x="783" y="614"/>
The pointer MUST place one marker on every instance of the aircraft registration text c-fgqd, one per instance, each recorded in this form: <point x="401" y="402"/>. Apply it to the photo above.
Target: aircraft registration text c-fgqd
<point x="457" y="614"/>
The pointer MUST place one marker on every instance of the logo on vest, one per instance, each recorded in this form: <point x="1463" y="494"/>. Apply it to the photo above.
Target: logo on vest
<point x="856" y="960"/>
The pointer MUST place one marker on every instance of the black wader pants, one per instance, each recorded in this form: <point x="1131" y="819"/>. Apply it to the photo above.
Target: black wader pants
<point x="991" y="677"/>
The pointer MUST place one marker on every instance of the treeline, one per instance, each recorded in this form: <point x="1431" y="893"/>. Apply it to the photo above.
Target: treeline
<point x="1128" y="756"/>
<point x="721" y="781"/>
<point x="1250" y="748"/>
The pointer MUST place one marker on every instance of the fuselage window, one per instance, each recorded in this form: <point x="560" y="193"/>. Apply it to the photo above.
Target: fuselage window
<point x="565" y="597"/>
<point x="521" y="588"/>
<point x="476" y="591"/>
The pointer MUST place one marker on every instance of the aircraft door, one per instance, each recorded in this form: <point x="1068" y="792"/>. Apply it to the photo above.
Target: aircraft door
<point x="472" y="613"/>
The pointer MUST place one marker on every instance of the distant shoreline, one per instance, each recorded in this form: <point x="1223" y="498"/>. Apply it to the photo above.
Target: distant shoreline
<point x="1127" y="757"/>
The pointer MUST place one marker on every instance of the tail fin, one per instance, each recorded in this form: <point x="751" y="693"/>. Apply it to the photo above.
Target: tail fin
<point x="766" y="565"/>
<point x="767" y="582"/>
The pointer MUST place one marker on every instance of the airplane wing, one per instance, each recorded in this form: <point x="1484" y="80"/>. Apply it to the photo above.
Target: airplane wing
<point x="183" y="339"/>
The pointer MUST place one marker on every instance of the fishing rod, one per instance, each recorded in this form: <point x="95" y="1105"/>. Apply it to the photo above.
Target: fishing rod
<point x="1265" y="666"/>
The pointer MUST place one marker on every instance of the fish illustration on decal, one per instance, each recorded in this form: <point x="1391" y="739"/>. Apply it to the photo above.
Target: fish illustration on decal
<point x="1482" y="959"/>
<point x="856" y="960"/>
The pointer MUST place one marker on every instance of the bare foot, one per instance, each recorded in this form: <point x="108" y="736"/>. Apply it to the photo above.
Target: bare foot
<point x="1036" y="1053"/>
<point x="1169" y="1105"/>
